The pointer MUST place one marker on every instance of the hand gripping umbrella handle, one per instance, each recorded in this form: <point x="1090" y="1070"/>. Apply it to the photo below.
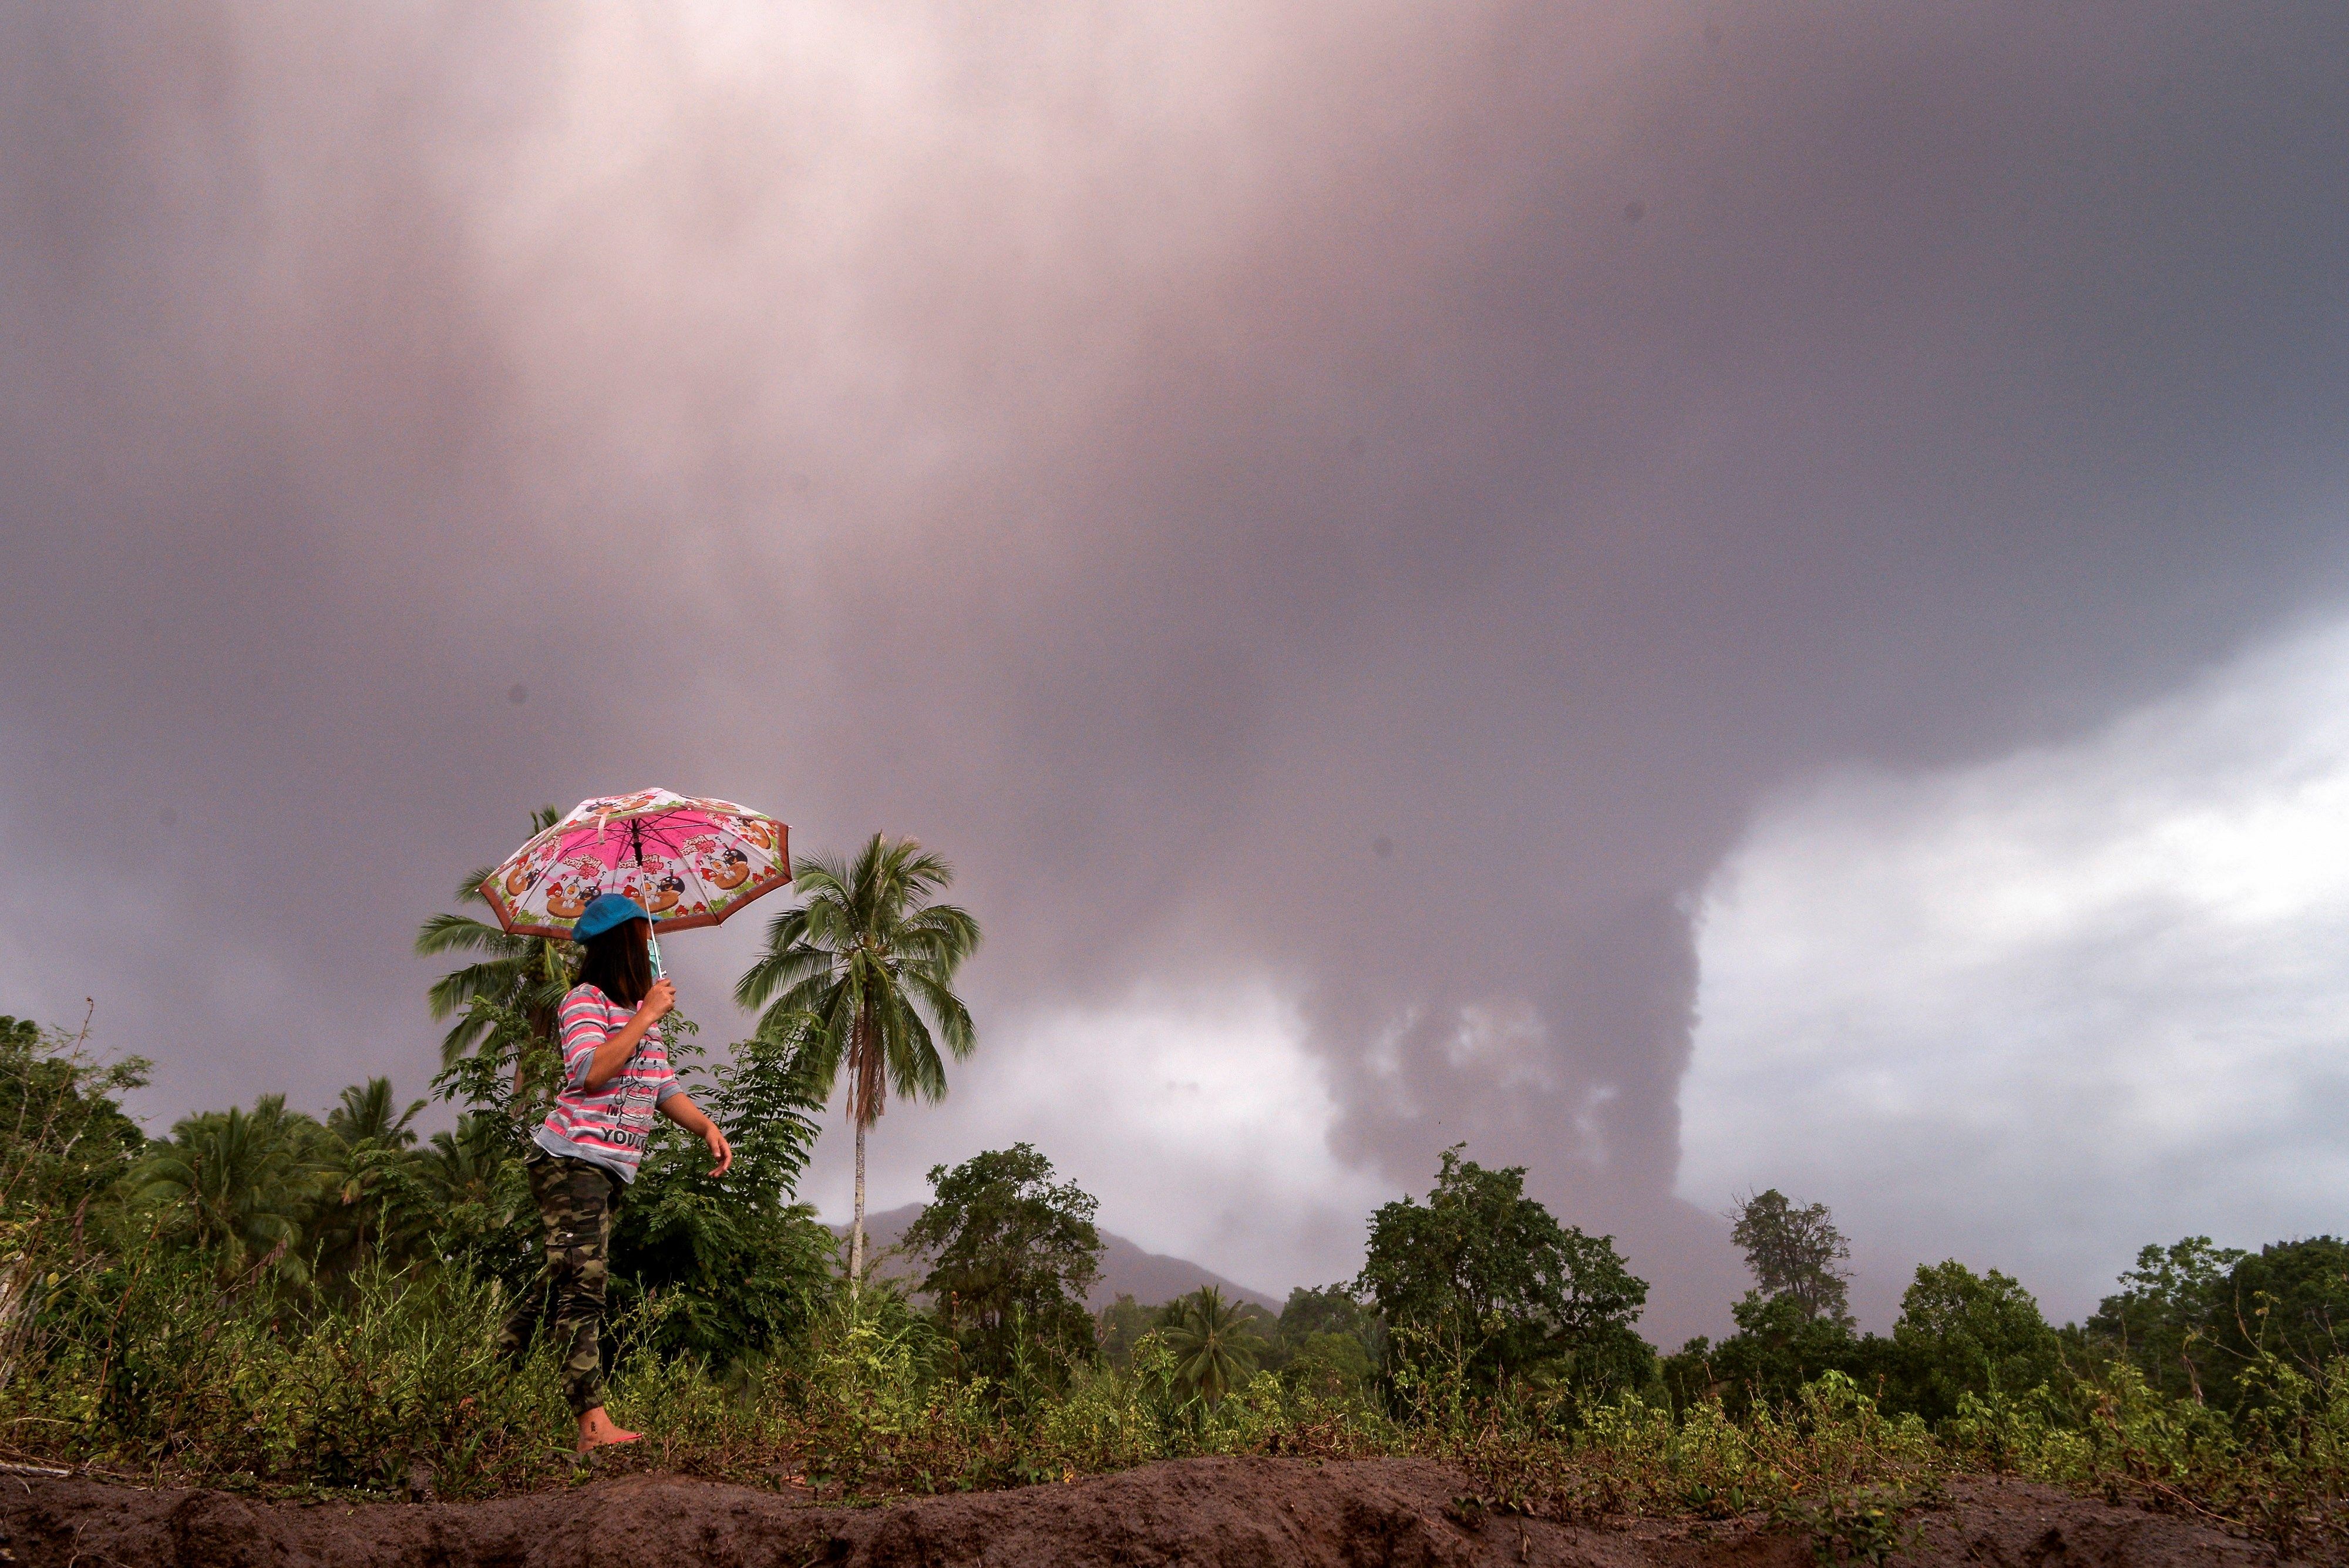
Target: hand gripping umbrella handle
<point x="652" y="943"/>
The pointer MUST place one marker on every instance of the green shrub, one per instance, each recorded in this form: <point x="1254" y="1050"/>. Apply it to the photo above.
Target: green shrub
<point x="1961" y="1332"/>
<point x="150" y="1365"/>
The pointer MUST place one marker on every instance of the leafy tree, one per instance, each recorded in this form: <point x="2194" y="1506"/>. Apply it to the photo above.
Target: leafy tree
<point x="64" y="1142"/>
<point x="767" y="1100"/>
<point x="1484" y="1277"/>
<point x="1965" y="1333"/>
<point x="527" y="975"/>
<point x="372" y="1190"/>
<point x="1311" y="1325"/>
<point x="63" y="1138"/>
<point x="1779" y="1345"/>
<point x="737" y="1266"/>
<point x="1332" y="1309"/>
<point x="2165" y="1314"/>
<point x="1119" y="1325"/>
<point x="485" y="1218"/>
<point x="1012" y="1255"/>
<point x="238" y="1184"/>
<point x="467" y="1165"/>
<point x="2289" y="1299"/>
<point x="482" y="1081"/>
<point x="1328" y="1362"/>
<point x="1215" y="1344"/>
<point x="858" y="975"/>
<point x="479" y="1197"/>
<point x="1794" y="1251"/>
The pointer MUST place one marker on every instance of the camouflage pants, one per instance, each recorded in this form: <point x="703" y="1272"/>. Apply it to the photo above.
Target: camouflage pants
<point x="577" y="1200"/>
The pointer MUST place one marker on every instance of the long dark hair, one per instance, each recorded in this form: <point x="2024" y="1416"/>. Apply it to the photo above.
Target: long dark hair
<point x="618" y="962"/>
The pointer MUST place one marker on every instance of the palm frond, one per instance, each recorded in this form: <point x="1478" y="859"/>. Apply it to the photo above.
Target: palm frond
<point x="448" y="933"/>
<point x="943" y="1005"/>
<point x="814" y="1016"/>
<point x="922" y="873"/>
<point x="912" y="1057"/>
<point x="787" y="959"/>
<point x="527" y="974"/>
<point x="950" y="926"/>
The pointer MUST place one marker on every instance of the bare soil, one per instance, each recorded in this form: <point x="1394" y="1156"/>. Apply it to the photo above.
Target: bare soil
<point x="1196" y="1513"/>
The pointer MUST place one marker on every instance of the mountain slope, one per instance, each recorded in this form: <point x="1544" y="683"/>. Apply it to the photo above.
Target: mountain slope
<point x="1126" y="1270"/>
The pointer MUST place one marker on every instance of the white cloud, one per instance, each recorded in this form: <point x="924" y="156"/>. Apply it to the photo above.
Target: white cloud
<point x="1201" y="1122"/>
<point x="2036" y="1014"/>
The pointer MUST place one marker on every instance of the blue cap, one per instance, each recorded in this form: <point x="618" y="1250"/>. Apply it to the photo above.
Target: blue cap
<point x="609" y="910"/>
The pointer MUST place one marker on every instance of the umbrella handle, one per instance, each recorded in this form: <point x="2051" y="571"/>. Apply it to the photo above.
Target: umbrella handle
<point x="652" y="943"/>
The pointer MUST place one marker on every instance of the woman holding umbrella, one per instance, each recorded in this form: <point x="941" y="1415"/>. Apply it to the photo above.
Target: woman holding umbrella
<point x="605" y="874"/>
<point x="615" y="1075"/>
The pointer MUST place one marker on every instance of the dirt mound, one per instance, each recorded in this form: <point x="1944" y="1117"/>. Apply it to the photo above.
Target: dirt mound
<point x="1196" y="1513"/>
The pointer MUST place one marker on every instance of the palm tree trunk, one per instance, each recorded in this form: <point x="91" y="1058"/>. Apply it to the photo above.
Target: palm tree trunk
<point x="864" y="1104"/>
<point x="856" y="1230"/>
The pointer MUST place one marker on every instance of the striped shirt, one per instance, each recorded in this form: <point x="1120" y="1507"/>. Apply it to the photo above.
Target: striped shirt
<point x="606" y="1126"/>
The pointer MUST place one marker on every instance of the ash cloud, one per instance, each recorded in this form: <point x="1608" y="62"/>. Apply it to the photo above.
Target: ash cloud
<point x="1161" y="461"/>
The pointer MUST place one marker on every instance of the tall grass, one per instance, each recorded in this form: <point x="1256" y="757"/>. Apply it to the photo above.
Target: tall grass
<point x="151" y="1365"/>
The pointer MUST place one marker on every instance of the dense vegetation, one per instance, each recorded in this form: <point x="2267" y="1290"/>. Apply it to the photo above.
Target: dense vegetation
<point x="271" y="1299"/>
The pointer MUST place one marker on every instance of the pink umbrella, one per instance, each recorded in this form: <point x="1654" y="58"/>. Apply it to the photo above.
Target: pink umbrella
<point x="688" y="861"/>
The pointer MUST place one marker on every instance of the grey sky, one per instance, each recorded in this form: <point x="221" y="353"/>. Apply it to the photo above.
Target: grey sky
<point x="1355" y="507"/>
<point x="2096" y="985"/>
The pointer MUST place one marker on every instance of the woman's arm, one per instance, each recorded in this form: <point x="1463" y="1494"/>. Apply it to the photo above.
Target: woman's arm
<point x="680" y="1109"/>
<point x="614" y="1053"/>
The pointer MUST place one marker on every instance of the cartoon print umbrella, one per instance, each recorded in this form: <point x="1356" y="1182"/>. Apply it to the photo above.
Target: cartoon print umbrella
<point x="688" y="861"/>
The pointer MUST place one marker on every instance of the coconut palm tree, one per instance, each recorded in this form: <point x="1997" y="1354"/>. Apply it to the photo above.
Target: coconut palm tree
<point x="464" y="1166"/>
<point x="471" y="1177"/>
<point x="368" y="1176"/>
<point x="858" y="976"/>
<point x="238" y="1183"/>
<point x="527" y="974"/>
<point x="368" y="1114"/>
<point x="1214" y="1346"/>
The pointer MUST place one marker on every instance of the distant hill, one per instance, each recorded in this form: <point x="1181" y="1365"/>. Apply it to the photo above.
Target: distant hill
<point x="1149" y="1278"/>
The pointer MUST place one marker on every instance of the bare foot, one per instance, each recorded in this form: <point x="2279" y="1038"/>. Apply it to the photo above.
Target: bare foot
<point x="596" y="1431"/>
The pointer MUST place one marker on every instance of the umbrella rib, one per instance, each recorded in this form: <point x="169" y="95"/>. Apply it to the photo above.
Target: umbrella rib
<point x="709" y="898"/>
<point x="662" y="833"/>
<point x="667" y="829"/>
